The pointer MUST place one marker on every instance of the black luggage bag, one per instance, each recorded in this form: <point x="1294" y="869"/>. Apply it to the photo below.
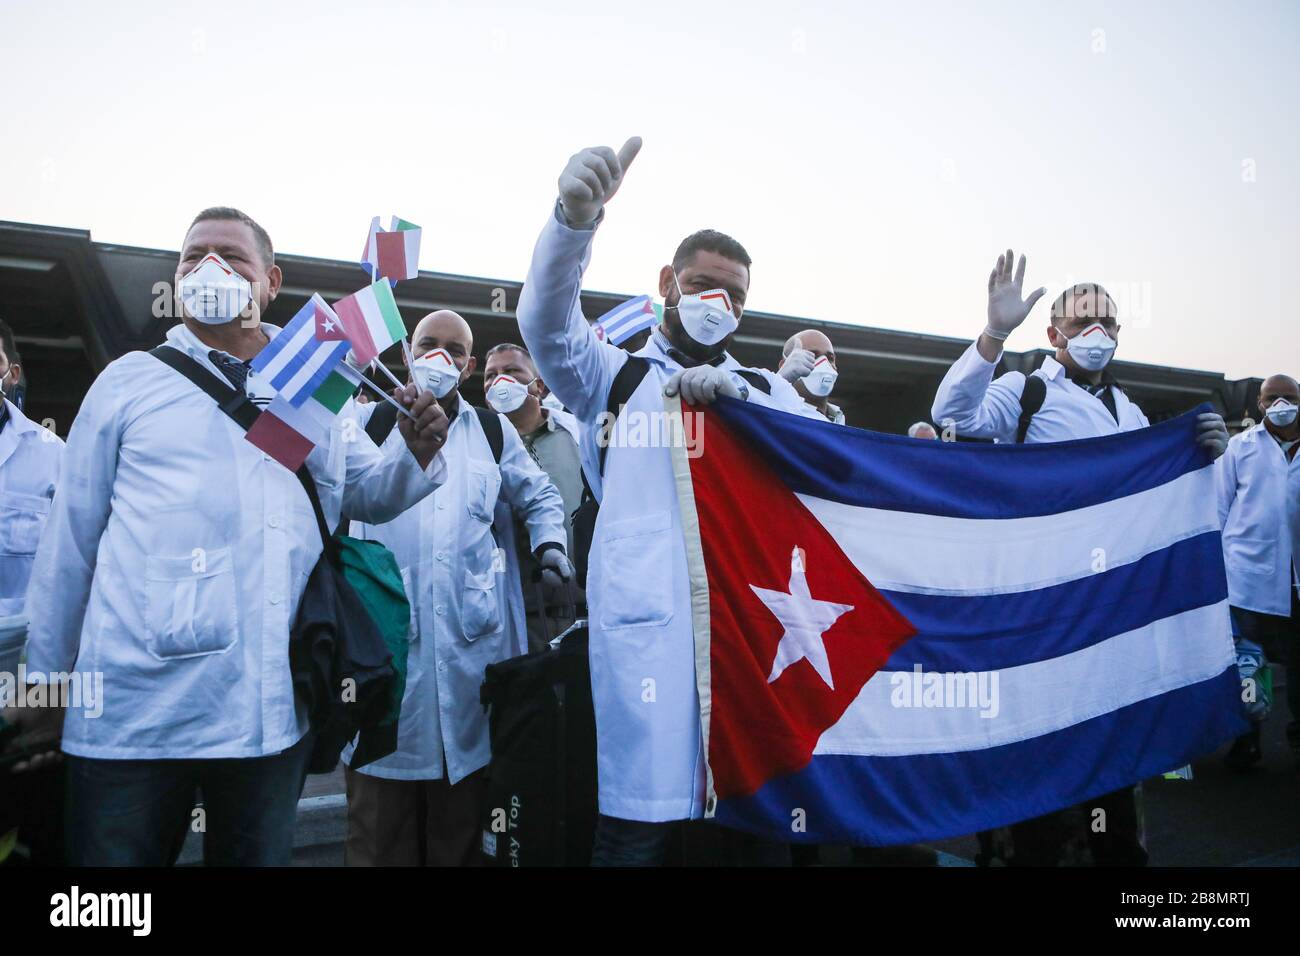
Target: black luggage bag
<point x="541" y="797"/>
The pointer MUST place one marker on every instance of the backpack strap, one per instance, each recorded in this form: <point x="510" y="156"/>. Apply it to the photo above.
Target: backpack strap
<point x="756" y="380"/>
<point x="1031" y="400"/>
<point x="244" y="413"/>
<point x="626" y="382"/>
<point x="496" y="437"/>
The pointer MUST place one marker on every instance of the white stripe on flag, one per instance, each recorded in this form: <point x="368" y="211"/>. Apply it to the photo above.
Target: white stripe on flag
<point x="1004" y="555"/>
<point x="1045" y="696"/>
<point x="296" y="342"/>
<point x="312" y="420"/>
<point x="309" y="368"/>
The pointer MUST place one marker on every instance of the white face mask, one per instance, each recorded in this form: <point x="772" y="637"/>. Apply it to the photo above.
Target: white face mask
<point x="1092" y="348"/>
<point x="1281" y="413"/>
<point x="707" y="316"/>
<point x="507" y="394"/>
<point x="437" y="372"/>
<point x="821" y="380"/>
<point x="213" y="293"/>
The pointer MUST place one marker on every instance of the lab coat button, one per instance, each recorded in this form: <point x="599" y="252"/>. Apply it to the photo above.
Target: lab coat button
<point x="440" y="609"/>
<point x="275" y="598"/>
<point x="274" y="521"/>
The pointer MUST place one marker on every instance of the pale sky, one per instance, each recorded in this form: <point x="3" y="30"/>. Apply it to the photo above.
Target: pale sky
<point x="873" y="157"/>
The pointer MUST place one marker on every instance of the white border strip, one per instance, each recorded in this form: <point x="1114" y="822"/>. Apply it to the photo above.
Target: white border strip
<point x="699" y="582"/>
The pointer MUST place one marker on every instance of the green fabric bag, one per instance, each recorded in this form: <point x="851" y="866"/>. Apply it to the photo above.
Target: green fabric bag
<point x="372" y="571"/>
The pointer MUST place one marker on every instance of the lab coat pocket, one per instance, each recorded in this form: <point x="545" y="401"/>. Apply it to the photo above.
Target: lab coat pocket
<point x="480" y="614"/>
<point x="1251" y="555"/>
<point x="482" y="485"/>
<point x="21" y="520"/>
<point x="636" y="572"/>
<point x="190" y="605"/>
<point x="413" y="625"/>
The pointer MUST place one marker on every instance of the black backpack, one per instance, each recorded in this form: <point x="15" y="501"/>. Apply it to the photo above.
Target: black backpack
<point x="625" y="384"/>
<point x="385" y="417"/>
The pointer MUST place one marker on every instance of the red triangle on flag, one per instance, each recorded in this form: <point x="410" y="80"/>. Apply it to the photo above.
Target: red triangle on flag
<point x="328" y="326"/>
<point x="771" y="704"/>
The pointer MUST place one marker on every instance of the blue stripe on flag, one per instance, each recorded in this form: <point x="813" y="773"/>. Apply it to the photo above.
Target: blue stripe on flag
<point x="886" y="801"/>
<point x="995" y="631"/>
<point x="333" y="358"/>
<point x="892" y="472"/>
<point x="281" y="341"/>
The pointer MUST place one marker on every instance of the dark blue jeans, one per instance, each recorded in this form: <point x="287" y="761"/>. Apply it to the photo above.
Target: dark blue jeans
<point x="137" y="812"/>
<point x="633" y="843"/>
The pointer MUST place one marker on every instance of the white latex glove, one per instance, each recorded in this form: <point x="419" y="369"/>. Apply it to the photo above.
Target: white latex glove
<point x="702" y="385"/>
<point x="797" y="364"/>
<point x="591" y="178"/>
<point x="1212" y="433"/>
<point x="556" y="568"/>
<point x="1007" y="310"/>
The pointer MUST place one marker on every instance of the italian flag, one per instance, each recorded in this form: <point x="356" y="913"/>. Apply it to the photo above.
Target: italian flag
<point x="289" y="434"/>
<point x="371" y="320"/>
<point x="393" y="254"/>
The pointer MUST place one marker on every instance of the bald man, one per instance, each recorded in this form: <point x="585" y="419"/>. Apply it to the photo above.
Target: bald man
<point x="1258" y="515"/>
<point x="922" y="430"/>
<point x="808" y="363"/>
<point x="421" y="804"/>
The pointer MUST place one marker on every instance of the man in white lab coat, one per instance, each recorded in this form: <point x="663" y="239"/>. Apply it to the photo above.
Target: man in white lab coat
<point x="423" y="804"/>
<point x="1076" y="398"/>
<point x="551" y="436"/>
<point x="650" y="758"/>
<point x="170" y="572"/>
<point x="1257" y="509"/>
<point x="808" y="363"/>
<point x="29" y="471"/>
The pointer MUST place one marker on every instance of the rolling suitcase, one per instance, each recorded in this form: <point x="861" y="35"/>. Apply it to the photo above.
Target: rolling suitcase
<point x="541" y="789"/>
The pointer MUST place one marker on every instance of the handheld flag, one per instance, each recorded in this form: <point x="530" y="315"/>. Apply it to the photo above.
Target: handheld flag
<point x="307" y="349"/>
<point x="371" y="320"/>
<point x="925" y="639"/>
<point x="393" y="254"/>
<point x="288" y="433"/>
<point x="624" y="321"/>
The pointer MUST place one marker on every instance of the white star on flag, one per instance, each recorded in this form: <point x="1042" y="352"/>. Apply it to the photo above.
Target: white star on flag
<point x="328" y="325"/>
<point x="805" y="620"/>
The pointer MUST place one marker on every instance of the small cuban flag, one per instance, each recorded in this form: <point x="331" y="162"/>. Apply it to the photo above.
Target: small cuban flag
<point x="288" y="432"/>
<point x="394" y="253"/>
<point x="624" y="321"/>
<point x="304" y="353"/>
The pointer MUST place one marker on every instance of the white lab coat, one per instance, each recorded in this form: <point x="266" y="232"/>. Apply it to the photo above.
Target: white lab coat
<point x="29" y="472"/>
<point x="1293" y="515"/>
<point x="649" y="746"/>
<point x="466" y="602"/>
<point x="1255" y="481"/>
<point x="979" y="407"/>
<point x="174" y="559"/>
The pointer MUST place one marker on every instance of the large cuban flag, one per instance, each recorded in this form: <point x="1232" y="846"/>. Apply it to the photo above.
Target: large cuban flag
<point x="901" y="640"/>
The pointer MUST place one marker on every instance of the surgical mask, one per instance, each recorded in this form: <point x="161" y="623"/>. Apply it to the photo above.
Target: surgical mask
<point x="507" y="394"/>
<point x="707" y="316"/>
<point x="1281" y="413"/>
<point x="821" y="380"/>
<point x="213" y="293"/>
<point x="1092" y="348"/>
<point x="437" y="372"/>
